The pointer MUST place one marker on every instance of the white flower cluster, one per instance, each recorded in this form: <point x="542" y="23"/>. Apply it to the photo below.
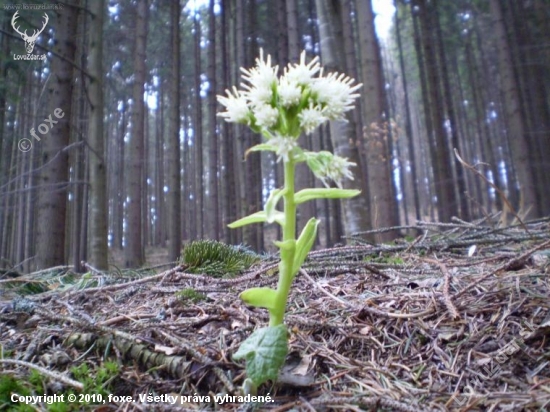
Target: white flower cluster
<point x="281" y="108"/>
<point x="266" y="98"/>
<point x="327" y="166"/>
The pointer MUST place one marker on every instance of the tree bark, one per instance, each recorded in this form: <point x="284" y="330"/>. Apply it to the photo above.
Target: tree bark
<point x="382" y="199"/>
<point x="198" y="195"/>
<point x="97" y="214"/>
<point x="451" y="117"/>
<point x="516" y="129"/>
<point x="173" y="197"/>
<point x="133" y="252"/>
<point x="356" y="210"/>
<point x="408" y="123"/>
<point x="53" y="180"/>
<point x="213" y="208"/>
<point x="440" y="152"/>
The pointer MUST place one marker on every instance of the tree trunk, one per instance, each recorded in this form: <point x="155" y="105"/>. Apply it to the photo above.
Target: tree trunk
<point x="4" y="152"/>
<point x="433" y="105"/>
<point x="531" y="69"/>
<point x="376" y="131"/>
<point x="408" y="125"/>
<point x="97" y="213"/>
<point x="133" y="252"/>
<point x="356" y="210"/>
<point x="160" y="203"/>
<point x="253" y="234"/>
<point x="213" y="208"/>
<point x="516" y="130"/>
<point x="54" y="174"/>
<point x="173" y="197"/>
<point x="198" y="195"/>
<point x="451" y="117"/>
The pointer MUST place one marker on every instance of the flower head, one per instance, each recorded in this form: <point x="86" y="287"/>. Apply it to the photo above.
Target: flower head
<point x="284" y="146"/>
<point x="265" y="115"/>
<point x="340" y="169"/>
<point x="263" y="75"/>
<point x="236" y="107"/>
<point x="336" y="93"/>
<point x="289" y="92"/>
<point x="297" y="102"/>
<point x="258" y="96"/>
<point x="327" y="166"/>
<point x="302" y="73"/>
<point x="311" y="117"/>
<point x="260" y="80"/>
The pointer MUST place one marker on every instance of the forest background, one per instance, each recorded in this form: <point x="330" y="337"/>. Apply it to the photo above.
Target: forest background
<point x="139" y="160"/>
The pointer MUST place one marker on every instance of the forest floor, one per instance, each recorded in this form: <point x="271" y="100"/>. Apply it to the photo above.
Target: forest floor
<point x="456" y="319"/>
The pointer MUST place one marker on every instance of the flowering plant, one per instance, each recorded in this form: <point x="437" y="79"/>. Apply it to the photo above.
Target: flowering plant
<point x="281" y="109"/>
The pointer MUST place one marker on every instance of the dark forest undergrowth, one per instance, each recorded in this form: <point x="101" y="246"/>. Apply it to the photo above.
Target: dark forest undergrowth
<point x="457" y="318"/>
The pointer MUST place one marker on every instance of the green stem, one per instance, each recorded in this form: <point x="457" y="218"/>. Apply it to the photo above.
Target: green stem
<point x="287" y="256"/>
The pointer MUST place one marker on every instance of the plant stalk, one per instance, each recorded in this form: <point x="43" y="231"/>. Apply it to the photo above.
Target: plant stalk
<point x="287" y="256"/>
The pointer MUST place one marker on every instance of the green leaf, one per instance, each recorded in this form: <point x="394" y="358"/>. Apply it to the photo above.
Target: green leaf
<point x="324" y="193"/>
<point x="304" y="244"/>
<point x="271" y="204"/>
<point x="260" y="297"/>
<point x="262" y="147"/>
<point x="265" y="351"/>
<point x="257" y="217"/>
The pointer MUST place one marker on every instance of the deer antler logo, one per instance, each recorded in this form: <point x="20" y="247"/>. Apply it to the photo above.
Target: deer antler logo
<point x="29" y="40"/>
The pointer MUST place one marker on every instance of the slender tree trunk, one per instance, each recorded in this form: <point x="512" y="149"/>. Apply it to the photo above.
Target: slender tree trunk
<point x="198" y="135"/>
<point x="119" y="176"/>
<point x="253" y="234"/>
<point x="160" y="236"/>
<point x="30" y="214"/>
<point x="97" y="213"/>
<point x="408" y="125"/>
<point x="228" y="188"/>
<point x="133" y="252"/>
<point x="173" y="154"/>
<point x="451" y="117"/>
<point x="213" y="178"/>
<point x="351" y="58"/>
<point x="18" y="236"/>
<point x="10" y="151"/>
<point x="29" y="162"/>
<point x="146" y="195"/>
<point x="78" y="164"/>
<point x="4" y="152"/>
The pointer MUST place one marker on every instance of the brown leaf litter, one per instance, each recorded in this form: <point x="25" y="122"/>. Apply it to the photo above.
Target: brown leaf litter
<point x="456" y="319"/>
